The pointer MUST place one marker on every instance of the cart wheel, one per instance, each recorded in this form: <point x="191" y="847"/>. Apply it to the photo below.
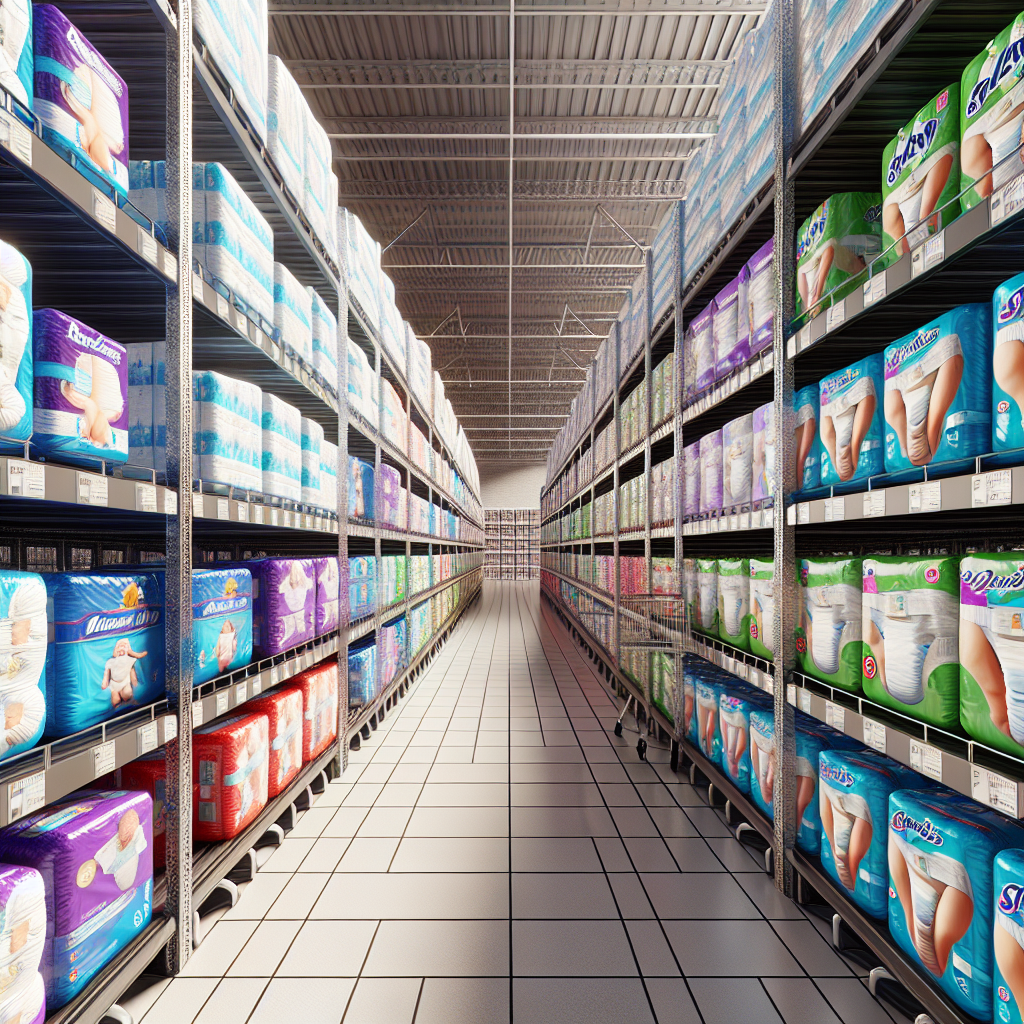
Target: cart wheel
<point x="618" y="728"/>
<point x="641" y="748"/>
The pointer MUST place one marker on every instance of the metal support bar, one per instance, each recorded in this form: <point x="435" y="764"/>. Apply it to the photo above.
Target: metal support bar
<point x="634" y="10"/>
<point x="406" y="229"/>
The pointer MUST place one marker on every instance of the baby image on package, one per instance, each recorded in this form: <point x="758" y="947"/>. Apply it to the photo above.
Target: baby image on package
<point x="221" y="621"/>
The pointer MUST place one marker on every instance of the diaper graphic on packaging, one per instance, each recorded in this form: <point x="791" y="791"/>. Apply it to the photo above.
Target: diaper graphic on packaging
<point x="734" y="709"/>
<point x="762" y="607"/>
<point x="319" y="687"/>
<point x="828" y="638"/>
<point x="284" y="604"/>
<point x="281" y="459"/>
<point x="921" y="175"/>
<point x="833" y="245"/>
<point x="283" y="708"/>
<point x="938" y="391"/>
<point x="761" y="735"/>
<point x="737" y="461"/>
<point x="15" y="343"/>
<point x="1008" y="935"/>
<point x="910" y="626"/>
<point x="16" y="61"/>
<point x="284" y="123"/>
<point x="734" y="601"/>
<point x="106" y="652"/>
<point x="991" y="115"/>
<point x="763" y="470"/>
<point x="1007" y="359"/>
<point x="941" y="851"/>
<point x="221" y="621"/>
<point x="360" y="489"/>
<point x="711" y="472"/>
<point x="851" y="422"/>
<point x="227" y="417"/>
<point x="760" y="297"/>
<point x="23" y="631"/>
<point x="80" y="395"/>
<point x="808" y="447"/>
<point x="705" y="618"/>
<point x="709" y="733"/>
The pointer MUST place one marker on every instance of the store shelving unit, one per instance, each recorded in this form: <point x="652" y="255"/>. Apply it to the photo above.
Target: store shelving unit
<point x="512" y="544"/>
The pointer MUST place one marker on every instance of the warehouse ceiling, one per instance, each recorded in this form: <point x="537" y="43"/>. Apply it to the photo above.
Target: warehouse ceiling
<point x="514" y="160"/>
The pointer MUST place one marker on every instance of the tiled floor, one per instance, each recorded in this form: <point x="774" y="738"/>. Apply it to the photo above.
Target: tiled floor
<point x="495" y="853"/>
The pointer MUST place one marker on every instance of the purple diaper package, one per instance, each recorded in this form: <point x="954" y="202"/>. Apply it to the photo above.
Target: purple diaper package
<point x="95" y="854"/>
<point x="80" y="396"/>
<point x="732" y="348"/>
<point x="389" y="488"/>
<point x="761" y="297"/>
<point x="80" y="99"/>
<point x="284" y="604"/>
<point x="691" y="479"/>
<point x="327" y="590"/>
<point x="703" y="341"/>
<point x="22" y="939"/>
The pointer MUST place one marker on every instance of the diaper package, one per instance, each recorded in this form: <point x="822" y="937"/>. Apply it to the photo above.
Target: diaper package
<point x="851" y="423"/>
<point x="941" y="849"/>
<point x="285" y="140"/>
<point x="329" y="458"/>
<point x="229" y="764"/>
<point x="761" y="739"/>
<point x="734" y="716"/>
<point x="703" y="347"/>
<point x="853" y="799"/>
<point x="80" y="99"/>
<point x="80" y="394"/>
<point x="393" y="646"/>
<point x="734" y="602"/>
<point x="15" y="341"/>
<point x="147" y="405"/>
<point x="325" y="340"/>
<point x="1007" y="399"/>
<point x="148" y="774"/>
<point x="691" y="479"/>
<point x="387" y="496"/>
<point x="706" y="618"/>
<point x="1008" y="935"/>
<point x="910" y="628"/>
<point x="922" y="164"/>
<point x="737" y="461"/>
<point x="763" y="470"/>
<point x="688" y="720"/>
<point x="284" y="604"/>
<point x="22" y="941"/>
<point x="283" y="708"/>
<point x="362" y="675"/>
<point x="709" y="732"/>
<point x="293" y="313"/>
<point x="938" y="391"/>
<point x="312" y="443"/>
<point x="833" y="245"/>
<point x="328" y="583"/>
<point x="227" y="416"/>
<point x="362" y="586"/>
<point x="360" y="489"/>
<point x="282" y="449"/>
<point x="319" y="687"/>
<point x="808" y="441"/>
<point x="760" y="307"/>
<point x="688" y="585"/>
<point x="991" y="116"/>
<point x="828" y="637"/>
<point x="317" y="201"/>
<point x="762" y="607"/>
<point x="732" y="345"/>
<point x="711" y="472"/>
<point x="95" y="854"/>
<point x="25" y="999"/>
<point x="221" y="621"/>
<point x="16" y="61"/>
<point x="23" y="632"/>
<point x="106" y="649"/>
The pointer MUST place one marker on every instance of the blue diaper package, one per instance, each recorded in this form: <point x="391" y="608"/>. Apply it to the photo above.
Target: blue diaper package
<point x="106" y="652"/>
<point x="1008" y="935"/>
<point x="23" y="657"/>
<point x="362" y="674"/>
<point x="16" y="353"/>
<point x="853" y="800"/>
<point x="851" y="422"/>
<point x="941" y="849"/>
<point x="16" y="64"/>
<point x="1007" y="397"/>
<point x="709" y="731"/>
<point x="808" y="440"/>
<point x="221" y="621"/>
<point x="734" y="709"/>
<point x="938" y="397"/>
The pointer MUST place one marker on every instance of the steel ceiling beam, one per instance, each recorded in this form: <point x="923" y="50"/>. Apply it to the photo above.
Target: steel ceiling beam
<point x="471" y="158"/>
<point x="368" y="190"/>
<point x="518" y="266"/>
<point x="489" y="127"/>
<point x="522" y="136"/>
<point x="622" y="8"/>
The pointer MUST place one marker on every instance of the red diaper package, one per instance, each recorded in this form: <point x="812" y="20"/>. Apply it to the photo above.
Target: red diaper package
<point x="284" y="708"/>
<point x="149" y="773"/>
<point x="319" y="687"/>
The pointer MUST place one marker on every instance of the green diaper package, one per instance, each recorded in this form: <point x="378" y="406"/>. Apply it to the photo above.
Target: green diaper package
<point x="828" y="639"/>
<point x="762" y="607"/>
<point x="705" y="618"/>
<point x="734" y="602"/>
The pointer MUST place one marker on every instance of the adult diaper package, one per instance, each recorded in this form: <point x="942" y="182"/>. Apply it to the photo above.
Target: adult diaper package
<point x="362" y="675"/>
<point x="387" y="494"/>
<point x="688" y="720"/>
<point x="282" y="449"/>
<point x="317" y="201"/>
<point x="711" y="489"/>
<point x="325" y="340"/>
<point x="808" y="441"/>
<point x="921" y="175"/>
<point x="688" y="583"/>
<point x="312" y="443"/>
<point x="106" y="649"/>
<point x="828" y="637"/>
<point x="80" y="394"/>
<point x="149" y="775"/>
<point x="23" y="631"/>
<point x="221" y="621"/>
<point x="853" y="800"/>
<point x="95" y="854"/>
<point x="734" y="723"/>
<point x="229" y="765"/>
<point x="760" y="295"/>
<point x="80" y="99"/>
<point x="328" y="584"/>
<point x="763" y="470"/>
<point x="293" y="313"/>
<point x="762" y="607"/>
<point x="16" y="61"/>
<point x="283" y="708"/>
<point x="941" y="849"/>
<point x="851" y="423"/>
<point x="737" y="461"/>
<point x="319" y="687"/>
<point x="1008" y="935"/>
<point x="761" y="738"/>
<point x="362" y="587"/>
<point x="910" y="628"/>
<point x="709" y="732"/>
<point x="1007" y="394"/>
<point x="227" y="416"/>
<point x="707" y="609"/>
<point x="732" y="345"/>
<point x="938" y="391"/>
<point x="734" y="601"/>
<point x="329" y="457"/>
<point x="285" y="141"/>
<point x="360" y="489"/>
<point x="991" y="116"/>
<point x="15" y="341"/>
<point x="833" y="245"/>
<point x="393" y="658"/>
<point x="284" y="604"/>
<point x="22" y="942"/>
<point x="703" y="344"/>
<point x="691" y="479"/>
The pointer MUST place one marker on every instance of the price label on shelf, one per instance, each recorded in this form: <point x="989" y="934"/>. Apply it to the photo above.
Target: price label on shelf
<point x="197" y="288"/>
<point x="104" y="211"/>
<point x="241" y="322"/>
<point x="25" y="479"/>
<point x="170" y="728"/>
<point x="170" y="502"/>
<point x="223" y="509"/>
<point x="92" y="489"/>
<point x="257" y="513"/>
<point x="874" y="735"/>
<point x="223" y="309"/>
<point x="734" y="521"/>
<point x="275" y="516"/>
<point x="240" y="693"/>
<point x="243" y="511"/>
<point x="874" y="504"/>
<point x="791" y="693"/>
<point x="146" y="244"/>
<point x="197" y="505"/>
<point x="170" y="267"/>
<point x="874" y="289"/>
<point x="104" y="758"/>
<point x="835" y="715"/>
<point x="928" y="255"/>
<point x="197" y="714"/>
<point x="289" y="518"/>
<point x="145" y="498"/>
<point x="26" y="795"/>
<point x="16" y="137"/>
<point x="768" y="361"/>
<point x="1007" y="200"/>
<point x="805" y="701"/>
<point x="745" y="523"/>
<point x="835" y="510"/>
<point x="926" y="759"/>
<point x="221" y="703"/>
<point x="146" y="736"/>
<point x="791" y="515"/>
<point x="991" y="488"/>
<point x="257" y="685"/>
<point x="275" y="675"/>
<point x="998" y="792"/>
<point x="926" y="497"/>
<point x="803" y="512"/>
<point x="836" y="315"/>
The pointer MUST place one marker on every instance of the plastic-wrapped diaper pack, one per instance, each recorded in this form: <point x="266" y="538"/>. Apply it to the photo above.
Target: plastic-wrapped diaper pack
<point x="227" y="416"/>
<point x="317" y="201"/>
<point x="80" y="392"/>
<point x="362" y="586"/>
<point x="851" y="425"/>
<point x="763" y="470"/>
<point x="1008" y="935"/>
<point x="22" y="942"/>
<point x="325" y="339"/>
<point x="761" y="741"/>
<point x="808" y="447"/>
<point x="319" y="687"/>
<point x="283" y="708"/>
<point x="362" y="674"/>
<point x="688" y="717"/>
<point x="923" y="157"/>
<point x="1008" y="325"/>
<point x="941" y="850"/>
<point x="991" y="116"/>
<point x="221" y="621"/>
<point x="328" y="589"/>
<point x="703" y="347"/>
<point x="946" y="360"/>
<point x="106" y="652"/>
<point x="910" y="620"/>
<point x="734" y="601"/>
<point x="706" y="618"/>
<point x="360" y="489"/>
<point x="95" y="854"/>
<point x="284" y="604"/>
<point x="691" y="479"/>
<point x="147" y="405"/>
<point x="737" y="461"/>
<point x="23" y="646"/>
<point x="149" y="774"/>
<point x="229" y="759"/>
<point x="388" y="493"/>
<point x="80" y="99"/>
<point x="285" y="139"/>
<point x="734" y="723"/>
<point x="293" y="313"/>
<point x="16" y="346"/>
<point x="393" y="637"/>
<point x="732" y="345"/>
<point x="761" y="297"/>
<point x="762" y="607"/>
<point x="711" y="472"/>
<point x="312" y="442"/>
<point x="16" y="58"/>
<point x="282" y="449"/>
<point x="853" y="800"/>
<point x="329" y="457"/>
<point x="709" y="732"/>
<point x="834" y="244"/>
<point x="828" y="637"/>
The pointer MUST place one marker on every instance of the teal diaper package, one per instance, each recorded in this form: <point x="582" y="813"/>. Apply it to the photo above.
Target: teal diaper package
<point x="851" y="426"/>
<point x="1007" y="357"/>
<point x="1008" y="936"/>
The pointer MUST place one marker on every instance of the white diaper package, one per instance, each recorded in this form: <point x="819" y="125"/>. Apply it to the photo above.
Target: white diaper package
<point x="691" y="479"/>
<point x="285" y="139"/>
<point x="227" y="431"/>
<point x="282" y="449"/>
<point x="711" y="491"/>
<point x="312" y="446"/>
<point x="420" y="369"/>
<point x="362" y="265"/>
<point x="362" y="385"/>
<point x="763" y="483"/>
<point x="16" y="63"/>
<point x="293" y="313"/>
<point x="737" y="460"/>
<point x="325" y="339"/>
<point x="328" y="476"/>
<point x="317" y="201"/>
<point x="16" y="372"/>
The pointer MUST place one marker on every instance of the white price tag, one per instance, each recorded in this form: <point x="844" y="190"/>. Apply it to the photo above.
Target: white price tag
<point x="275" y="675"/>
<point x="768" y="685"/>
<point x="257" y="513"/>
<point x="275" y="517"/>
<point x="197" y="289"/>
<point x="197" y="714"/>
<point x="835" y="715"/>
<point x="289" y="518"/>
<point x="991" y="488"/>
<point x="926" y="497"/>
<point x="744" y="376"/>
<point x="241" y="322"/>
<point x="170" y="502"/>
<point x="791" y="515"/>
<point x="928" y="255"/>
<point x="734" y="521"/>
<point x="104" y="758"/>
<point x="145" y="498"/>
<point x="791" y="348"/>
<point x="836" y="315"/>
<point x="147" y="738"/>
<point x="223" y="509"/>
<point x="257" y="685"/>
<point x="1006" y="201"/>
<point x="835" y="510"/>
<point x="768" y="361"/>
<point x="104" y="211"/>
<point x="147" y="246"/>
<point x="240" y="693"/>
<point x="92" y="489"/>
<point x="25" y="479"/>
<point x="26" y="795"/>
<point x="170" y="728"/>
<point x="874" y="735"/>
<point x="805" y="701"/>
<point x="170" y="266"/>
<point x="243" y="512"/>
<point x="222" y="703"/>
<point x="874" y="289"/>
<point x="745" y="523"/>
<point x="803" y="513"/>
<point x="197" y="505"/>
<point x="994" y="790"/>
<point x="16" y="137"/>
<point x="791" y="693"/>
<point x="223" y="309"/>
<point x="874" y="504"/>
<point x="926" y="759"/>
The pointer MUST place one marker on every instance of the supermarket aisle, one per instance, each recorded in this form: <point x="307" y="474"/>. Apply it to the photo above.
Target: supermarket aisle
<point x="627" y="900"/>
